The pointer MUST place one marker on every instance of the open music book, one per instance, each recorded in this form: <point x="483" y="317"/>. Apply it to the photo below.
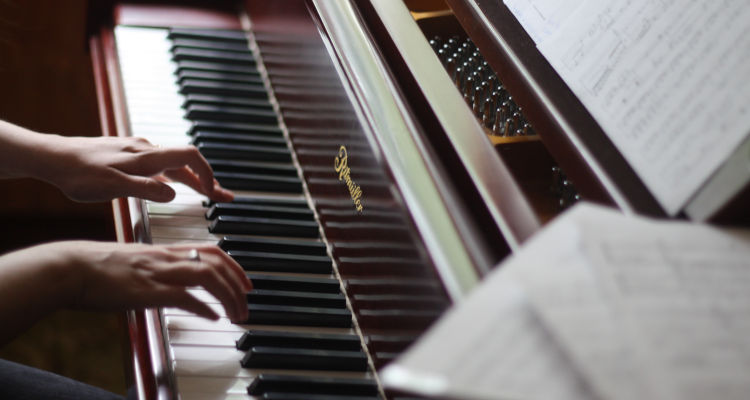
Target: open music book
<point x="666" y="80"/>
<point x="597" y="305"/>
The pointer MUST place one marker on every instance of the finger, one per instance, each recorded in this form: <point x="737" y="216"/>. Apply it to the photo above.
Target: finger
<point x="200" y="273"/>
<point x="220" y="194"/>
<point x="231" y="272"/>
<point x="163" y="159"/>
<point x="186" y="176"/>
<point x="143" y="187"/>
<point x="182" y="251"/>
<point x="137" y="144"/>
<point x="238" y="283"/>
<point x="180" y="298"/>
<point x="235" y="269"/>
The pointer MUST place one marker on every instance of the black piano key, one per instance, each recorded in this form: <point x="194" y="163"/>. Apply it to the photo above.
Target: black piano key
<point x="209" y="44"/>
<point x="312" y="385"/>
<point x="380" y="359"/>
<point x="274" y="245"/>
<point x="253" y="167"/>
<point x="281" y="262"/>
<point x="250" y="152"/>
<point x="255" y="182"/>
<point x="391" y="301"/>
<point x="196" y="86"/>
<point x="308" y="396"/>
<point x="404" y="319"/>
<point x="238" y="138"/>
<point x="295" y="283"/>
<point x="326" y="341"/>
<point x="271" y="201"/>
<point x="381" y="266"/>
<point x="215" y="56"/>
<point x="390" y="343"/>
<point x="219" y="76"/>
<point x="294" y="298"/>
<point x="209" y="100"/>
<point x="233" y="36"/>
<point x="253" y="210"/>
<point x="309" y="359"/>
<point x="359" y="249"/>
<point x="264" y="226"/>
<point x="232" y="114"/>
<point x="267" y="314"/>
<point x="412" y="285"/>
<point x="258" y="129"/>
<point x="215" y="67"/>
<point x="283" y="202"/>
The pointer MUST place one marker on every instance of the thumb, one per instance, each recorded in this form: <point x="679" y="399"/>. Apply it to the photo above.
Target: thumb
<point x="146" y="188"/>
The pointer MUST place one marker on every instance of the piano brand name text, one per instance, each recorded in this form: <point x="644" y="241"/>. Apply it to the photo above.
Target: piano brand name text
<point x="341" y="164"/>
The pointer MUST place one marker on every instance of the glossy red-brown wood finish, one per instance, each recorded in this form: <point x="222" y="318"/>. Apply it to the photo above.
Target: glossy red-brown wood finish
<point x="104" y="63"/>
<point x="388" y="275"/>
<point x="177" y="15"/>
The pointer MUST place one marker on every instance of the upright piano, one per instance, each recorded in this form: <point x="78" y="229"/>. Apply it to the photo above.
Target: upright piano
<point x="385" y="154"/>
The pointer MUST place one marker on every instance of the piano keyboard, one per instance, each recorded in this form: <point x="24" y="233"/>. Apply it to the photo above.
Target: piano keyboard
<point x="299" y="342"/>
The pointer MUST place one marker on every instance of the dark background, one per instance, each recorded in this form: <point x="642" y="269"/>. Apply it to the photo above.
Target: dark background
<point x="46" y="85"/>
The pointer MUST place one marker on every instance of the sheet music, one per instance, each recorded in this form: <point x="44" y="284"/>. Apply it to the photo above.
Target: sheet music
<point x="645" y="309"/>
<point x="542" y="18"/>
<point x="666" y="80"/>
<point x="489" y="347"/>
<point x="598" y="305"/>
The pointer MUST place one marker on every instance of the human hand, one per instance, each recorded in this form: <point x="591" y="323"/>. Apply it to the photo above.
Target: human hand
<point x="103" y="168"/>
<point x="113" y="276"/>
<point x="116" y="276"/>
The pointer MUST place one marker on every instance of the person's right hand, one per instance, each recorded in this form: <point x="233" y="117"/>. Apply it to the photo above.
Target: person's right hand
<point x="123" y="276"/>
<point x="114" y="276"/>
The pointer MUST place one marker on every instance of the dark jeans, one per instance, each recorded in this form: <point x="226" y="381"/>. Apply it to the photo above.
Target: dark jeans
<point x="21" y="382"/>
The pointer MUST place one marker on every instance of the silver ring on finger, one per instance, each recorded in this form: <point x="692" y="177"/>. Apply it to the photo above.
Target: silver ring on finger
<point x="194" y="255"/>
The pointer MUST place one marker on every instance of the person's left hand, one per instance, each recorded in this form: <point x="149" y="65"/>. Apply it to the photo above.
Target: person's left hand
<point x="103" y="168"/>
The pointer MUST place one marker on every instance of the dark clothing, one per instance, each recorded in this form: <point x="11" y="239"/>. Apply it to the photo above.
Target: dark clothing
<point x="21" y="382"/>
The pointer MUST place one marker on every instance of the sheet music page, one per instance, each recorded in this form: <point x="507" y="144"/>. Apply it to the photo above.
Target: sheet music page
<point x="491" y="346"/>
<point x="645" y="309"/>
<point x="667" y="80"/>
<point x="541" y="18"/>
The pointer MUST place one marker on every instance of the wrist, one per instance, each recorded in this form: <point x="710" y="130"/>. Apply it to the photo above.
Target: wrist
<point x="27" y="154"/>
<point x="47" y="152"/>
<point x="64" y="272"/>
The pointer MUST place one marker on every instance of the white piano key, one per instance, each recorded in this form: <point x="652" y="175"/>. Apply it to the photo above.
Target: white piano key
<point x="209" y="368"/>
<point x="195" y="323"/>
<point x="183" y="232"/>
<point x="171" y="241"/>
<point x="199" y="387"/>
<point x="216" y="307"/>
<point x="190" y="322"/>
<point x="181" y="221"/>
<point x="206" y="353"/>
<point x="205" y="338"/>
<point x="179" y="209"/>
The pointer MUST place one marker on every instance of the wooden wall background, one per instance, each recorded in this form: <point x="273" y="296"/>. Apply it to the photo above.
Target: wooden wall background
<point x="46" y="85"/>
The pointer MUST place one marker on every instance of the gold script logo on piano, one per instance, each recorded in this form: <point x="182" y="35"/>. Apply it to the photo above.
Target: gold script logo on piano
<point x="341" y="163"/>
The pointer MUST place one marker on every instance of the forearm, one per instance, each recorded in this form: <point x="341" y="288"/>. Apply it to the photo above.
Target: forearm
<point x="33" y="283"/>
<point x="23" y="153"/>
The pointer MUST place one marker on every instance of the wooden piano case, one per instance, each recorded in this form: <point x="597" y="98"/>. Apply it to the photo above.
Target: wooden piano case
<point x="490" y="194"/>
